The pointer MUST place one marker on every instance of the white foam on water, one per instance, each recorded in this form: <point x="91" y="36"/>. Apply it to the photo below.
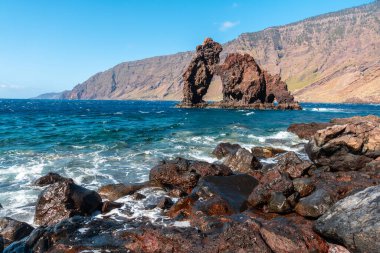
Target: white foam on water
<point x="143" y="112"/>
<point x="316" y="109"/>
<point x="249" y="113"/>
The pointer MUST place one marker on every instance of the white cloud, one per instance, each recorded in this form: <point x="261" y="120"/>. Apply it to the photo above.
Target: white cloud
<point x="9" y="86"/>
<point x="227" y="25"/>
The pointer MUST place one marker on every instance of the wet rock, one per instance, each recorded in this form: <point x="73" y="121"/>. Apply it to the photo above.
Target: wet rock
<point x="242" y="161"/>
<point x="292" y="235"/>
<point x="304" y="186"/>
<point x="63" y="200"/>
<point x="278" y="203"/>
<point x="346" y="147"/>
<point x="138" y="196"/>
<point x="224" y="149"/>
<point x="51" y="178"/>
<point x="12" y="230"/>
<point x="165" y="203"/>
<point x="183" y="208"/>
<point x="266" y="152"/>
<point x="200" y="72"/>
<point x="1" y="207"/>
<point x="232" y="192"/>
<point x="315" y="204"/>
<point x="184" y="174"/>
<point x="292" y="164"/>
<point x="271" y="182"/>
<point x="110" y="205"/>
<point x="307" y="130"/>
<point x="354" y="221"/>
<point x="113" y="192"/>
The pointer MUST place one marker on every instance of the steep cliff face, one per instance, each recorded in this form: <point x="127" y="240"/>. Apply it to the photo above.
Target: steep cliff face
<point x="329" y="58"/>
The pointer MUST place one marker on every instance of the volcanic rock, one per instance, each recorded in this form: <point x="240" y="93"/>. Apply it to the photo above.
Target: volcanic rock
<point x="51" y="178"/>
<point x="278" y="203"/>
<point x="165" y="203"/>
<point x="1" y="244"/>
<point x="307" y="130"/>
<point x="199" y="73"/>
<point x="63" y="200"/>
<point x="346" y="147"/>
<point x="12" y="230"/>
<point x="271" y="182"/>
<point x="292" y="235"/>
<point x="242" y="161"/>
<point x="354" y="221"/>
<point x="304" y="186"/>
<point x="113" y="192"/>
<point x="266" y="152"/>
<point x="184" y="174"/>
<point x="110" y="205"/>
<point x="315" y="204"/>
<point x="224" y="149"/>
<point x="290" y="163"/>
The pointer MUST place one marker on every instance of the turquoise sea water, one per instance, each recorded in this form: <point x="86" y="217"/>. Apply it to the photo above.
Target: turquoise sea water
<point x="102" y="142"/>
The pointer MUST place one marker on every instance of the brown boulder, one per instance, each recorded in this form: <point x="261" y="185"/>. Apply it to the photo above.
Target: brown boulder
<point x="110" y="205"/>
<point x="184" y="174"/>
<point x="346" y="147"/>
<point x="242" y="161"/>
<point x="288" y="235"/>
<point x="271" y="182"/>
<point x="307" y="130"/>
<point x="290" y="163"/>
<point x="113" y="192"/>
<point x="63" y="200"/>
<point x="266" y="152"/>
<point x="51" y="178"/>
<point x="199" y="73"/>
<point x="12" y="230"/>
<point x="304" y="186"/>
<point x="224" y="149"/>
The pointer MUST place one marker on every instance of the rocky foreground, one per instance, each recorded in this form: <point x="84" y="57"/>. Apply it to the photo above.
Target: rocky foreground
<point x="329" y="203"/>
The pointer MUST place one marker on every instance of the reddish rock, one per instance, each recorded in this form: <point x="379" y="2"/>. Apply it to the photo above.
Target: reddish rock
<point x="12" y="230"/>
<point x="224" y="149"/>
<point x="184" y="174"/>
<point x="290" y="163"/>
<point x="307" y="130"/>
<point x="199" y="73"/>
<point x="51" y="178"/>
<point x="266" y="152"/>
<point x="271" y="182"/>
<point x="243" y="80"/>
<point x="63" y="200"/>
<point x="113" y="192"/>
<point x="278" y="203"/>
<point x="292" y="235"/>
<point x="304" y="186"/>
<point x="242" y="161"/>
<point x="165" y="203"/>
<point x="346" y="147"/>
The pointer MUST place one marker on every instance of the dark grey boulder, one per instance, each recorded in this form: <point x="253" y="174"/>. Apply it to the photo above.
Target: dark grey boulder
<point x="315" y="204"/>
<point x="354" y="221"/>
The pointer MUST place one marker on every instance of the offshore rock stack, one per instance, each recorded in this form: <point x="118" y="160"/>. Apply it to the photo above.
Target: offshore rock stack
<point x="237" y="204"/>
<point x="245" y="84"/>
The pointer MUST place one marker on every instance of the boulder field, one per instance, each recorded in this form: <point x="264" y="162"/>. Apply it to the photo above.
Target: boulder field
<point x="327" y="203"/>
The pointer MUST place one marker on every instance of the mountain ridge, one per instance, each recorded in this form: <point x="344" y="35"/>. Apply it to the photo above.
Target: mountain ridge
<point x="333" y="57"/>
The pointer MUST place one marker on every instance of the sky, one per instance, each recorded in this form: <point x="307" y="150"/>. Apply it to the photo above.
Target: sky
<point x="52" y="45"/>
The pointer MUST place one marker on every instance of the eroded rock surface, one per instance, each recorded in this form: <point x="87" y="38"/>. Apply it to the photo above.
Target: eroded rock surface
<point x="12" y="230"/>
<point x="63" y="200"/>
<point x="51" y="178"/>
<point x="346" y="147"/>
<point x="199" y="73"/>
<point x="354" y="221"/>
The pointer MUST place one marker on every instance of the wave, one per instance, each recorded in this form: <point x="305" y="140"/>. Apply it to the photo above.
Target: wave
<point x="317" y="109"/>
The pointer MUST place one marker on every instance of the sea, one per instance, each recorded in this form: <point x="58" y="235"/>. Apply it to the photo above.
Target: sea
<point x="104" y="142"/>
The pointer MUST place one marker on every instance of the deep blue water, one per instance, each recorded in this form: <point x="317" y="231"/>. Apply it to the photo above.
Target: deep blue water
<point x="101" y="142"/>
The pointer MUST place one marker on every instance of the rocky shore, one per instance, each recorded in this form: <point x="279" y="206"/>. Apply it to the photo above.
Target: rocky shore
<point x="327" y="203"/>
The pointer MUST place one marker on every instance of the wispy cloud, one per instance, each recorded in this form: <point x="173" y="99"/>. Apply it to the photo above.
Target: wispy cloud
<point x="228" y="25"/>
<point x="10" y="86"/>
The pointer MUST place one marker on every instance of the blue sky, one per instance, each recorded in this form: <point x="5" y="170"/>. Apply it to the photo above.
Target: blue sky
<point x="52" y="45"/>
